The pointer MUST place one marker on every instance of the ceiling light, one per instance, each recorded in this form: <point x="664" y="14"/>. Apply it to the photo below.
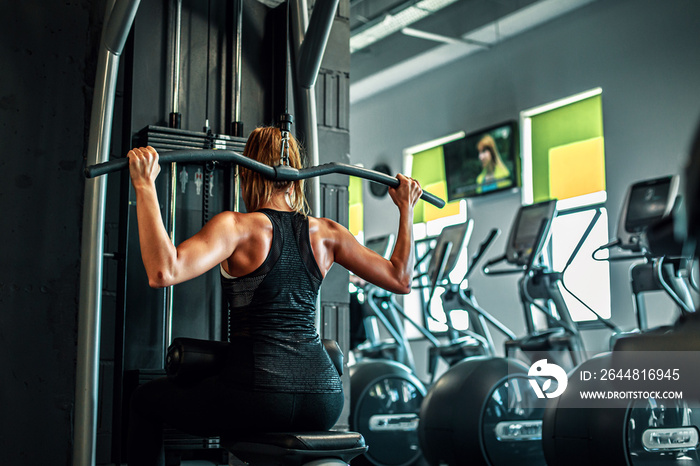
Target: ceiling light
<point x="394" y="21"/>
<point x="440" y="38"/>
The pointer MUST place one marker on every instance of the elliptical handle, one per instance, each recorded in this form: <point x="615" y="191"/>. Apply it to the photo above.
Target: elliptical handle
<point x="497" y="260"/>
<point x="493" y="234"/>
<point x="584" y="237"/>
<point x="487" y="271"/>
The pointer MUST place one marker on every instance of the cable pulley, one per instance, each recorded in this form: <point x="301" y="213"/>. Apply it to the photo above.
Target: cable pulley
<point x="286" y="121"/>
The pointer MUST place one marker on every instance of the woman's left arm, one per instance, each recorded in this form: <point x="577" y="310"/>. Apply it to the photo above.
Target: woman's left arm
<point x="166" y="264"/>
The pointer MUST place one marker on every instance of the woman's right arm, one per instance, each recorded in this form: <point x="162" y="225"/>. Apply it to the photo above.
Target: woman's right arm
<point x="395" y="274"/>
<point x="166" y="264"/>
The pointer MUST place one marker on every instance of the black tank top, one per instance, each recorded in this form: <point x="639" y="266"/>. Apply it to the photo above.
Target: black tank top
<point x="274" y="343"/>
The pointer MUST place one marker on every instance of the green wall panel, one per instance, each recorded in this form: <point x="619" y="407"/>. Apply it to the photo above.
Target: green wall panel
<point x="572" y="123"/>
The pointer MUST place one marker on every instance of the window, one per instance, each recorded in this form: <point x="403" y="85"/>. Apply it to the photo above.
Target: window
<point x="586" y="278"/>
<point x="564" y="159"/>
<point x="426" y="164"/>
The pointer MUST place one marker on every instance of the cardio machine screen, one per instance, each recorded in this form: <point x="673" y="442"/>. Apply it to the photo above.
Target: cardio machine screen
<point x="457" y="236"/>
<point x="648" y="202"/>
<point x="523" y="234"/>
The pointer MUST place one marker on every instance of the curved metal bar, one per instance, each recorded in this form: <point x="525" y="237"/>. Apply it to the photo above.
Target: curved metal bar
<point x="118" y="19"/>
<point x="315" y="40"/>
<point x="659" y="270"/>
<point x="281" y="173"/>
<point x="186" y="156"/>
<point x="305" y="105"/>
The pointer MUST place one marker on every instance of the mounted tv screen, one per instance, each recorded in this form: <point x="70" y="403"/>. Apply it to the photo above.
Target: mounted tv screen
<point x="482" y="162"/>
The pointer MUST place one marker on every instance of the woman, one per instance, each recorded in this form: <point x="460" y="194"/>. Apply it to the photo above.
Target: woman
<point x="272" y="261"/>
<point x="494" y="174"/>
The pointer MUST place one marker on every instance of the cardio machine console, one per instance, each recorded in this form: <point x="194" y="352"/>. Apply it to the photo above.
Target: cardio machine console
<point x="452" y="241"/>
<point x="646" y="203"/>
<point x="523" y="239"/>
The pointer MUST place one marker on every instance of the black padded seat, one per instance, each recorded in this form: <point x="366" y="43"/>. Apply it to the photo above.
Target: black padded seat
<point x="295" y="448"/>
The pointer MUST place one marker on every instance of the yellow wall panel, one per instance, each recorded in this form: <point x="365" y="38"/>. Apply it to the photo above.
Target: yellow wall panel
<point x="355" y="222"/>
<point x="576" y="169"/>
<point x="430" y="212"/>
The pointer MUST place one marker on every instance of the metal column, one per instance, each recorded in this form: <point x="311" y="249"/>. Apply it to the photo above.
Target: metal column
<point x="119" y="17"/>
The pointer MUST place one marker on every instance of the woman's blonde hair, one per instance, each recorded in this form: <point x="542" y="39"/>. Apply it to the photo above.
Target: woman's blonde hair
<point x="489" y="144"/>
<point x="264" y="146"/>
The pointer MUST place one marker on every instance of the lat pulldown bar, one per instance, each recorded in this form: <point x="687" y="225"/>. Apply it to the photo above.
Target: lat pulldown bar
<point x="279" y="173"/>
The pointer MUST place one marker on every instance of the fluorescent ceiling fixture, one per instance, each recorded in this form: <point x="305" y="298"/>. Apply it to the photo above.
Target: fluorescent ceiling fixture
<point x="394" y="21"/>
<point x="440" y="38"/>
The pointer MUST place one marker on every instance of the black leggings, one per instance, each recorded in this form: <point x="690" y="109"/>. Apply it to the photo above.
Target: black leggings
<point x="211" y="408"/>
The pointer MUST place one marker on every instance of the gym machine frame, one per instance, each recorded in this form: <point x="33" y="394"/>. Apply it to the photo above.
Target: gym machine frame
<point x="119" y="17"/>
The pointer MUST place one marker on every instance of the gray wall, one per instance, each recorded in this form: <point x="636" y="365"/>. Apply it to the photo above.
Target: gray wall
<point x="642" y="53"/>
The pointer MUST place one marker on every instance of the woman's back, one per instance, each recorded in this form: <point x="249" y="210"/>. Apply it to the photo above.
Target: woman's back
<point x="275" y="343"/>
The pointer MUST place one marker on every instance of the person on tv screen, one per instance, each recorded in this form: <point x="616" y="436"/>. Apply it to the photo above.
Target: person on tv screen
<point x="495" y="174"/>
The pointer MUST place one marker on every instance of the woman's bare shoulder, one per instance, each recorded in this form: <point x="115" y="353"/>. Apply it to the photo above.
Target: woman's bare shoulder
<point x="325" y="226"/>
<point x="230" y="215"/>
<point x="241" y="221"/>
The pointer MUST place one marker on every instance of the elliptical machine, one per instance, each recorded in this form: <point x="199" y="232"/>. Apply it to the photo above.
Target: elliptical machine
<point x="634" y="430"/>
<point x="649" y="210"/>
<point x="484" y="410"/>
<point x="476" y="339"/>
<point x="461" y="343"/>
<point x="390" y="424"/>
<point x="385" y="394"/>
